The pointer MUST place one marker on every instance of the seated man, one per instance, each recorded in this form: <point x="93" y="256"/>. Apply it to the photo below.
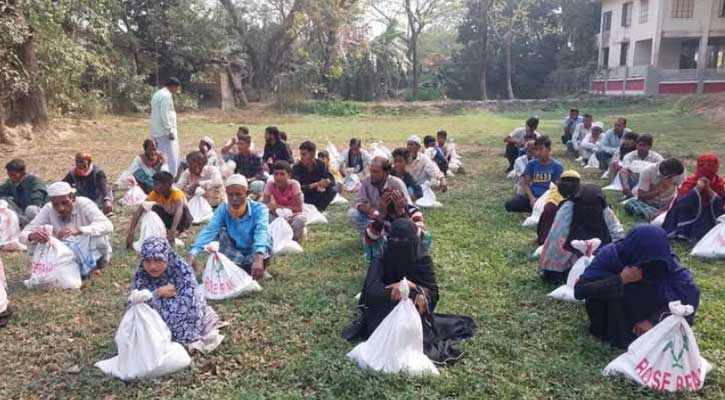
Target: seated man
<point x="394" y="206"/>
<point x="630" y="283"/>
<point x="201" y="174"/>
<point x="629" y="144"/>
<point x="401" y="161"/>
<point x="610" y="143"/>
<point x="520" y="165"/>
<point x="241" y="226"/>
<point x="369" y="202"/>
<point x="580" y="132"/>
<point x="435" y="153"/>
<point x="699" y="202"/>
<point x="517" y="138"/>
<point x="170" y="206"/>
<point x="285" y="192"/>
<point x="538" y="176"/>
<point x="644" y="154"/>
<point x="441" y="138"/>
<point x="657" y="188"/>
<point x="249" y="164"/>
<point x="90" y="182"/>
<point x="230" y="149"/>
<point x="318" y="185"/>
<point x="422" y="168"/>
<point x="590" y="143"/>
<point x="571" y="121"/>
<point x="355" y="160"/>
<point x="73" y="219"/>
<point x="206" y="147"/>
<point x="24" y="193"/>
<point x="275" y="148"/>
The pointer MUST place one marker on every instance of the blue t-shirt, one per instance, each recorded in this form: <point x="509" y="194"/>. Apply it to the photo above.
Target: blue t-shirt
<point x="542" y="175"/>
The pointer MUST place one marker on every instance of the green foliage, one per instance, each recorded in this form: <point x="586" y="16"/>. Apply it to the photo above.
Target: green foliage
<point x="130" y="93"/>
<point x="331" y="108"/>
<point x="430" y="87"/>
<point x="184" y="102"/>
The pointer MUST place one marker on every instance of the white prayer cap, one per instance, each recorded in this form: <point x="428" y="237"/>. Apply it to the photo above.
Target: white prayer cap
<point x="208" y="140"/>
<point x="60" y="189"/>
<point x="236" y="179"/>
<point x="415" y="139"/>
<point x="598" y="124"/>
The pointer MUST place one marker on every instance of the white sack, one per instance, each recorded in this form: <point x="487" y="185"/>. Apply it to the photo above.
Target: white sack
<point x="352" y="181"/>
<point x="134" y="195"/>
<point x="593" y="162"/>
<point x="334" y="154"/>
<point x="339" y="200"/>
<point x="52" y="265"/>
<point x="587" y="247"/>
<point x="282" y="234"/>
<point x="151" y="226"/>
<point x="429" y="198"/>
<point x="615" y="186"/>
<point x="712" y="245"/>
<point x="228" y="169"/>
<point x="9" y="229"/>
<point x="533" y="219"/>
<point x="313" y="215"/>
<point x="455" y="163"/>
<point x="4" y="302"/>
<point x="199" y="208"/>
<point x="223" y="279"/>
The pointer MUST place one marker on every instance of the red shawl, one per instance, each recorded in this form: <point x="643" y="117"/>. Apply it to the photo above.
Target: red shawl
<point x="708" y="165"/>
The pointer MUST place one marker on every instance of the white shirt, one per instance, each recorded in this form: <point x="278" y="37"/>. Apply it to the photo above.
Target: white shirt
<point x="589" y="143"/>
<point x="163" y="115"/>
<point x="580" y="132"/>
<point x="423" y="169"/>
<point x="518" y="135"/>
<point x="631" y="158"/>
<point x="86" y="216"/>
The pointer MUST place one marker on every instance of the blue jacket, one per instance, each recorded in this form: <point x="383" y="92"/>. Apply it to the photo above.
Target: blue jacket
<point x="250" y="233"/>
<point x="610" y="143"/>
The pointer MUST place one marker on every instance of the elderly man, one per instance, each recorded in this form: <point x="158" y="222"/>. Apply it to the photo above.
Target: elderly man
<point x="78" y="222"/>
<point x="242" y="228"/>
<point x="611" y="142"/>
<point x="24" y="193"/>
<point x="318" y="184"/>
<point x="369" y="202"/>
<point x="422" y="168"/>
<point x="163" y="123"/>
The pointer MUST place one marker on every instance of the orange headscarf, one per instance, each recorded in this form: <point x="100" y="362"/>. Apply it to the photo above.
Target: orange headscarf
<point x="708" y="166"/>
<point x="89" y="164"/>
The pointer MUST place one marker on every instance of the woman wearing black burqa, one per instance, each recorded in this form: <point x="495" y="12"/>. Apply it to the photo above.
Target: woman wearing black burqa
<point x="401" y="258"/>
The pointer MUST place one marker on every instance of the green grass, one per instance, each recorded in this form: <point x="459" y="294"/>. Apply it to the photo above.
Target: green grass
<point x="284" y="342"/>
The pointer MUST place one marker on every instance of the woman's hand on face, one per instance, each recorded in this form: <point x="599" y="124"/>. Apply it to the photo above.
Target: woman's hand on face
<point x="166" y="291"/>
<point x="421" y="303"/>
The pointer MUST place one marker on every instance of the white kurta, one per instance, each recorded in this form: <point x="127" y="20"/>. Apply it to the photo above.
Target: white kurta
<point x="163" y="122"/>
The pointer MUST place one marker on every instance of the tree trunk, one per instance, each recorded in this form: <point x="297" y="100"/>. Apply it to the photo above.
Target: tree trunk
<point x="509" y="86"/>
<point x="226" y="91"/>
<point x="485" y="5"/>
<point x="31" y="106"/>
<point x="240" y="96"/>
<point x="3" y="135"/>
<point x="414" y="48"/>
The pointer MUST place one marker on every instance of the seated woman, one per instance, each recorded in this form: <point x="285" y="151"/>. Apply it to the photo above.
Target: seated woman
<point x="567" y="188"/>
<point x="178" y="298"/>
<point x="585" y="216"/>
<point x="630" y="283"/>
<point x="699" y="201"/>
<point x="380" y="294"/>
<point x="90" y="182"/>
<point x="206" y="147"/>
<point x="146" y="165"/>
<point x="201" y="174"/>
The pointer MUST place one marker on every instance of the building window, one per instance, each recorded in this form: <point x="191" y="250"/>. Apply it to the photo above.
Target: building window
<point x="623" y="50"/>
<point x="644" y="11"/>
<point x="607" y="21"/>
<point x="688" y="54"/>
<point x="605" y="57"/>
<point x="722" y="9"/>
<point x="683" y="8"/>
<point x="627" y="14"/>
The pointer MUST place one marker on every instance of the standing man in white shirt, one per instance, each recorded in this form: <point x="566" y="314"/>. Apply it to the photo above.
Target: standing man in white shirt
<point x="163" y="123"/>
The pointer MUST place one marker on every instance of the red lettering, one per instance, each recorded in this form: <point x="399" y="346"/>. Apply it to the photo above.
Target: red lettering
<point x="688" y="382"/>
<point x="642" y="366"/>
<point x="656" y="380"/>
<point x="696" y="379"/>
<point x="680" y="384"/>
<point x="666" y="380"/>
<point x="647" y="375"/>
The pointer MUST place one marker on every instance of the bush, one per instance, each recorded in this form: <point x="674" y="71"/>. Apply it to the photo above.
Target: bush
<point x="130" y="93"/>
<point x="430" y="87"/>
<point x="184" y="102"/>
<point x="331" y="108"/>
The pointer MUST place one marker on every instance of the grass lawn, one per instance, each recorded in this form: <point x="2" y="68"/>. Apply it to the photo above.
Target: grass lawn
<point x="284" y="342"/>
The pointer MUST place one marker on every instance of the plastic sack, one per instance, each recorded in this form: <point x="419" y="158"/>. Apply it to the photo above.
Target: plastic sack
<point x="615" y="186"/>
<point x="587" y="247"/>
<point x="659" y="220"/>
<point x="134" y="195"/>
<point x="52" y="265"/>
<point x="537" y="252"/>
<point x="351" y="183"/>
<point x="533" y="220"/>
<point x="228" y="169"/>
<point x="151" y="226"/>
<point x="199" y="208"/>
<point x="9" y="229"/>
<point x="339" y="200"/>
<point x="666" y="358"/>
<point x="712" y="245"/>
<point x="282" y="234"/>
<point x="429" y="198"/>
<point x="455" y="163"/>
<point x="396" y="345"/>
<point x="313" y="215"/>
<point x="334" y="154"/>
<point x="125" y="180"/>
<point x="85" y="251"/>
<point x="143" y="340"/>
<point x="593" y="162"/>
<point x="3" y="289"/>
<point x="378" y="149"/>
<point x="223" y="279"/>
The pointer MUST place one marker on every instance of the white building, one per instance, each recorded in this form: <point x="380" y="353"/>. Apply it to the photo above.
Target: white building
<point x="661" y="47"/>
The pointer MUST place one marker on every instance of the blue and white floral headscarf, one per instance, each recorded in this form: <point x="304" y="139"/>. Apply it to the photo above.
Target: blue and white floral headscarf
<point x="184" y="312"/>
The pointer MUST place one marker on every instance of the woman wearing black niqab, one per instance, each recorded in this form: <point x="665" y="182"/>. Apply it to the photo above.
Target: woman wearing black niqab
<point x="402" y="258"/>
